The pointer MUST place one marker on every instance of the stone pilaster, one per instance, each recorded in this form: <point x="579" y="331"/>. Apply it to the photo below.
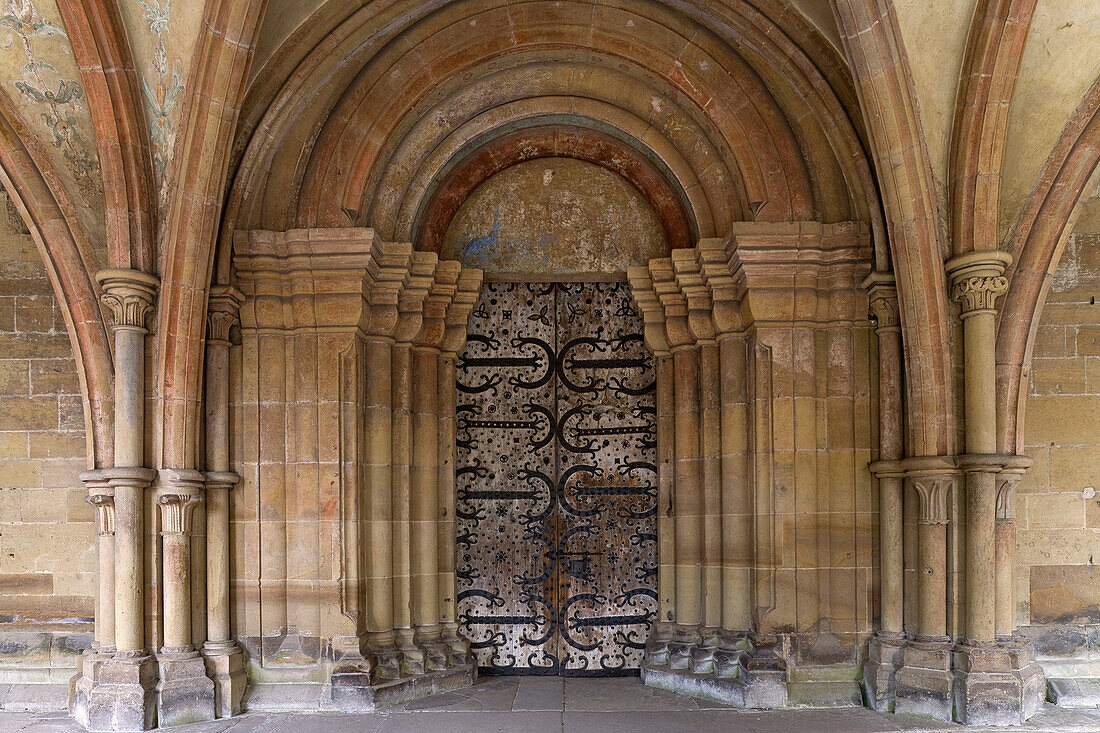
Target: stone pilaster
<point x="184" y="693"/>
<point x="101" y="497"/>
<point x="223" y="657"/>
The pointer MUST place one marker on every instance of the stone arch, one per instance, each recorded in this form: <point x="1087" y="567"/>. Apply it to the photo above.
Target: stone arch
<point x="1036" y="244"/>
<point x="64" y="248"/>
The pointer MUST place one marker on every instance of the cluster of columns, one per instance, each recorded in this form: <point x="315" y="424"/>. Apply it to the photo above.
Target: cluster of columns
<point x="355" y="340"/>
<point x="721" y="319"/>
<point x="978" y="672"/>
<point x="138" y="675"/>
<point x="415" y="329"/>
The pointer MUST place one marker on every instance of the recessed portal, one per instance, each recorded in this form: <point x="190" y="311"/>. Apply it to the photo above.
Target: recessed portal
<point x="556" y="480"/>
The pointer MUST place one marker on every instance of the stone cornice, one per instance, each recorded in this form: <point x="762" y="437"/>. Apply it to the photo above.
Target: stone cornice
<point x="458" y="312"/>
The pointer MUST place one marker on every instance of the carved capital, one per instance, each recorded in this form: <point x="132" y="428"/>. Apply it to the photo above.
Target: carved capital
<point x="129" y="295"/>
<point x="221" y="312"/>
<point x="977" y="279"/>
<point x="458" y="312"/>
<point x="104" y="513"/>
<point x="410" y="304"/>
<point x="176" y="511"/>
<point x="653" y="314"/>
<point x="882" y="301"/>
<point x="979" y="294"/>
<point x="1007" y="481"/>
<point x="932" y="492"/>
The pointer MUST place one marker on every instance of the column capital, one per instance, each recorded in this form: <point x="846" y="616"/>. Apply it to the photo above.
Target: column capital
<point x="176" y="511"/>
<point x="882" y="301"/>
<point x="129" y="294"/>
<point x="105" y="512"/>
<point x="977" y="279"/>
<point x="460" y="308"/>
<point x="1007" y="480"/>
<point x="932" y="478"/>
<point x="221" y="311"/>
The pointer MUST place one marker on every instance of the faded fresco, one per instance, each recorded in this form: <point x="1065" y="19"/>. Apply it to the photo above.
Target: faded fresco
<point x="555" y="216"/>
<point x="42" y="79"/>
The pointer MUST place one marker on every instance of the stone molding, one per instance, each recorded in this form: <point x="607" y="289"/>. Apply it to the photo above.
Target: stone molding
<point x="102" y="498"/>
<point x="722" y="287"/>
<point x="225" y="480"/>
<point x="129" y="295"/>
<point x="1007" y="480"/>
<point x="977" y="280"/>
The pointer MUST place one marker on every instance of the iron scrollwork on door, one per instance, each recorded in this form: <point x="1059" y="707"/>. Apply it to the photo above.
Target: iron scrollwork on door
<point x="556" y="480"/>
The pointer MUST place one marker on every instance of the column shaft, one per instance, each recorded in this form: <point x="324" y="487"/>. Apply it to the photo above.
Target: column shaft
<point x="736" y="499"/>
<point x="710" y="444"/>
<point x="687" y="499"/>
<point x="932" y="541"/>
<point x="402" y="614"/>
<point x="446" y="488"/>
<point x="129" y="568"/>
<point x="379" y="474"/>
<point x="1006" y="577"/>
<point x="217" y="498"/>
<point x="424" y="473"/>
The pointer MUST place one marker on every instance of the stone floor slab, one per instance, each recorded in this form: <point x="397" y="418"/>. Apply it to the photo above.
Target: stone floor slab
<point x="540" y="693"/>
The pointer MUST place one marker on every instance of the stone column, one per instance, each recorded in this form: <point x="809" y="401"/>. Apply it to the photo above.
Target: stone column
<point x="101" y="497"/>
<point x="224" y="660"/>
<point x="409" y="322"/>
<point x="1007" y="481"/>
<point x="994" y="686"/>
<point x="424" y="470"/>
<point x="454" y="340"/>
<point x="124" y="695"/>
<point x="924" y="683"/>
<point x="184" y="693"/>
<point x="885" y="649"/>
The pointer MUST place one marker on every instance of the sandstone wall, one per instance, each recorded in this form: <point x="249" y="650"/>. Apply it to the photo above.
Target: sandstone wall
<point x="1058" y="506"/>
<point x="47" y="553"/>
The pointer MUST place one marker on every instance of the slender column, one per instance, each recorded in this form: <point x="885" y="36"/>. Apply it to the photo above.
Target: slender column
<point x="176" y="513"/>
<point x="687" y="502"/>
<point x="102" y="498"/>
<point x="454" y="340"/>
<point x="224" y="660"/>
<point x="932" y="492"/>
<point x="977" y="281"/>
<point x="925" y="682"/>
<point x="424" y="509"/>
<point x="1007" y="481"/>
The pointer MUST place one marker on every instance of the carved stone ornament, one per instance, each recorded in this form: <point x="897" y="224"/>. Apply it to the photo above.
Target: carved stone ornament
<point x="104" y="513"/>
<point x="977" y="294"/>
<point x="129" y="295"/>
<point x="221" y="314"/>
<point x="884" y="307"/>
<point x="176" y="511"/>
<point x="932" y="492"/>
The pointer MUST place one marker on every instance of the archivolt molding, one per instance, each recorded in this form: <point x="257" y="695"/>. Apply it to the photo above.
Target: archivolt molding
<point x="408" y="85"/>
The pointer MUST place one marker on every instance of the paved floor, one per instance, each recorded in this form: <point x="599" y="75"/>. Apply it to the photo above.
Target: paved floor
<point x="551" y="704"/>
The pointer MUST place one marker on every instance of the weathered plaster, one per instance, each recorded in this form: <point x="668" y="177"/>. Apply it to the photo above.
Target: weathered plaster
<point x="1065" y="35"/>
<point x="41" y="78"/>
<point x="554" y="216"/>
<point x="935" y="42"/>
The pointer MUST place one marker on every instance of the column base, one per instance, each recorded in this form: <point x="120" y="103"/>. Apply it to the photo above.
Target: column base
<point x="184" y="693"/>
<point x="924" y="681"/>
<point x="725" y="667"/>
<point x="458" y="648"/>
<point x="436" y="651"/>
<point x="225" y="666"/>
<point x="387" y="658"/>
<point x="124" y="696"/>
<point x="884" y="657"/>
<point x="84" y="681"/>
<point x="414" y="660"/>
<point x="997" y="684"/>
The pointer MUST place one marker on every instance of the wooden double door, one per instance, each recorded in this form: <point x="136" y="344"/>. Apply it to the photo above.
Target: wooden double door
<point x="556" y="480"/>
